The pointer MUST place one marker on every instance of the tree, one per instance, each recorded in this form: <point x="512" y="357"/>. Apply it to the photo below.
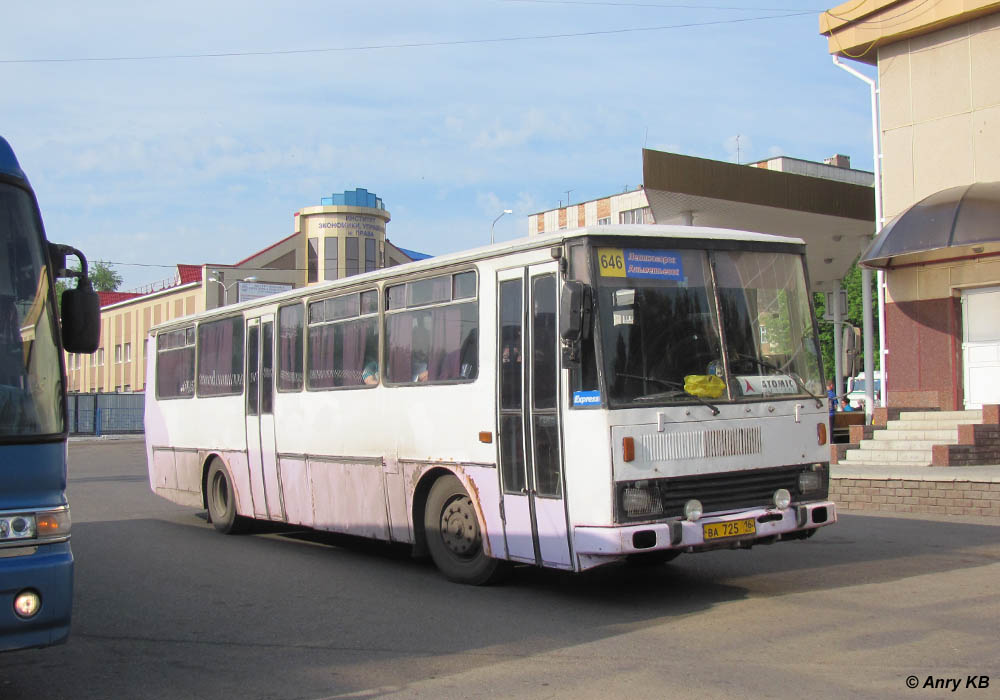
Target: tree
<point x="855" y="316"/>
<point x="104" y="277"/>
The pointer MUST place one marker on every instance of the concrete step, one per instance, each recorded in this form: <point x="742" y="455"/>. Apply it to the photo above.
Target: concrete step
<point x="949" y="424"/>
<point x="904" y="444"/>
<point x="972" y="416"/>
<point x="918" y="457"/>
<point x="938" y="437"/>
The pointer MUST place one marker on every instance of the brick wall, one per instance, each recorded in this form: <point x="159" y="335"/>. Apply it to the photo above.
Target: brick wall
<point x="906" y="496"/>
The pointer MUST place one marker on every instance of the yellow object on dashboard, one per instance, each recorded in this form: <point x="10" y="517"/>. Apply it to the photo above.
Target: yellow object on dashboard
<point x="707" y="386"/>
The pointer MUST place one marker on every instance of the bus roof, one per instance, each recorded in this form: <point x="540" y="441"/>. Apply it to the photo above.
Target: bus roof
<point x="8" y="161"/>
<point x="663" y="231"/>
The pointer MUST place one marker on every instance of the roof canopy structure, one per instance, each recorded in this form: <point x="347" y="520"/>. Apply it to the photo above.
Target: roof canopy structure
<point x="958" y="216"/>
<point x="835" y="219"/>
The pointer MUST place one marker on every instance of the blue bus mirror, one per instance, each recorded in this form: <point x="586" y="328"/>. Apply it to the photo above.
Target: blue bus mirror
<point x="81" y="319"/>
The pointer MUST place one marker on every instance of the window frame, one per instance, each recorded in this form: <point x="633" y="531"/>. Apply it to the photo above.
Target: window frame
<point x="159" y="352"/>
<point x="356" y="318"/>
<point x="408" y="307"/>
<point x="240" y="366"/>
<point x="279" y="355"/>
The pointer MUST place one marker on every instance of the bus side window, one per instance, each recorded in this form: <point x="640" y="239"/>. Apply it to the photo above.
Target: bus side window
<point x="175" y="364"/>
<point x="435" y="344"/>
<point x="290" y="347"/>
<point x="220" y="357"/>
<point x="343" y="341"/>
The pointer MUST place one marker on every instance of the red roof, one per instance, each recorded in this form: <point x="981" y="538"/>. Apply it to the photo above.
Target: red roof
<point x="189" y="273"/>
<point x="109" y="298"/>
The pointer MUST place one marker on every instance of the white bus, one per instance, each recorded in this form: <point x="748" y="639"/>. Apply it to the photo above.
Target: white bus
<point x="567" y="400"/>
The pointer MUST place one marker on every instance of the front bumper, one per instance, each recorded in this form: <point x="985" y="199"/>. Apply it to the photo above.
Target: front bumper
<point x="48" y="570"/>
<point x="596" y="545"/>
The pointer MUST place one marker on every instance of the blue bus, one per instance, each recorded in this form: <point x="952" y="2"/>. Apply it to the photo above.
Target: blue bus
<point x="36" y="563"/>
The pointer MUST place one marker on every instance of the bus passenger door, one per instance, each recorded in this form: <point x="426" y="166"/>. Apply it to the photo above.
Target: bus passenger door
<point x="261" y="453"/>
<point x="530" y="455"/>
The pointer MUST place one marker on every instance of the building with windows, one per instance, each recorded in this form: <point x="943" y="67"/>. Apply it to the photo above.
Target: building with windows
<point x="939" y="243"/>
<point x="828" y="204"/>
<point x="345" y="235"/>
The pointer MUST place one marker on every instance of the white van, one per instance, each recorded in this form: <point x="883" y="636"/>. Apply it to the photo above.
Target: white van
<point x="856" y="387"/>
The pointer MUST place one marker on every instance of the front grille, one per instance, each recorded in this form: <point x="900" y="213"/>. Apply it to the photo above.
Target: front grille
<point x="717" y="492"/>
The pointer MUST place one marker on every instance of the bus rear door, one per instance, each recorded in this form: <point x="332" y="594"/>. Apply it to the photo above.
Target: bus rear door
<point x="261" y="453"/>
<point x="529" y="442"/>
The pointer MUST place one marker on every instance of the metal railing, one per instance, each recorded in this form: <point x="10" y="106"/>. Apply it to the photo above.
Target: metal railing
<point x="105" y="414"/>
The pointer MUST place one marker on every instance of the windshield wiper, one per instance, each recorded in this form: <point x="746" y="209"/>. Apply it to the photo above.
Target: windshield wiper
<point x="678" y="391"/>
<point x="767" y="365"/>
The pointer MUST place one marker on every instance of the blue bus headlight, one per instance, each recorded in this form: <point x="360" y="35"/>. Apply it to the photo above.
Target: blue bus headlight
<point x="17" y="527"/>
<point x="27" y="603"/>
<point x="30" y="526"/>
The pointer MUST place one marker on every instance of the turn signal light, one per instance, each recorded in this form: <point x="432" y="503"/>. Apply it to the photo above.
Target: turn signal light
<point x="628" y="449"/>
<point x="821" y="433"/>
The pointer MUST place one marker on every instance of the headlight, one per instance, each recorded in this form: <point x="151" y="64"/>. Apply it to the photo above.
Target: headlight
<point x="809" y="481"/>
<point x="27" y="603"/>
<point x="17" y="527"/>
<point x="30" y="526"/>
<point x="641" y="501"/>
<point x="693" y="509"/>
<point x="782" y="499"/>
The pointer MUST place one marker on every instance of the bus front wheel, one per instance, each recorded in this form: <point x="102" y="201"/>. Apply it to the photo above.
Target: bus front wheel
<point x="222" y="500"/>
<point x="454" y="539"/>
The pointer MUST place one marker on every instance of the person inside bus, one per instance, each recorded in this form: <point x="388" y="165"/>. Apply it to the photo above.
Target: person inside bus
<point x="421" y="347"/>
<point x="369" y="375"/>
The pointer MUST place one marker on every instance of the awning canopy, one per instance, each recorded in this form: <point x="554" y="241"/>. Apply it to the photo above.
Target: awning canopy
<point x="958" y="216"/>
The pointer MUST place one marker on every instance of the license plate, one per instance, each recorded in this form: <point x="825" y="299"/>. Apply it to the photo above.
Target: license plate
<point x="731" y="528"/>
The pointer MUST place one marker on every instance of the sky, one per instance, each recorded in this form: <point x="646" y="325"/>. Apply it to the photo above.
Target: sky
<point x="191" y="132"/>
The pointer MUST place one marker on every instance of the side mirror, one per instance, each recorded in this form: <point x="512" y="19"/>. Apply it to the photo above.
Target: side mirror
<point x="574" y="320"/>
<point x="81" y="319"/>
<point x="574" y="312"/>
<point x="850" y="351"/>
<point x="81" y="307"/>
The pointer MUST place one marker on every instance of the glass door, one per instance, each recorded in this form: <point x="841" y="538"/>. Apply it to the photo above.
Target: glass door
<point x="529" y="440"/>
<point x="261" y="454"/>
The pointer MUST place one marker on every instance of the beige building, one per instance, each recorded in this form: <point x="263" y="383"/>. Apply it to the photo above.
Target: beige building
<point x="343" y="236"/>
<point x="938" y="73"/>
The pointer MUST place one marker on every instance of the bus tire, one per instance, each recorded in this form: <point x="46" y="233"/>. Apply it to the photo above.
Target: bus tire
<point x="221" y="500"/>
<point x="453" y="537"/>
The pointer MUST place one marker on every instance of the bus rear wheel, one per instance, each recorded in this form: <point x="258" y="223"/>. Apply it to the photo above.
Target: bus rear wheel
<point x="222" y="500"/>
<point x="454" y="539"/>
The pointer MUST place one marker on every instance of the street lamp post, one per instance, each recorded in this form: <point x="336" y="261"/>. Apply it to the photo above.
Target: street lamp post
<point x="226" y="288"/>
<point x="505" y="211"/>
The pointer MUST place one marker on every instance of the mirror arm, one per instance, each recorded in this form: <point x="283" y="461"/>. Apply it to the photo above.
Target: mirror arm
<point x="58" y="253"/>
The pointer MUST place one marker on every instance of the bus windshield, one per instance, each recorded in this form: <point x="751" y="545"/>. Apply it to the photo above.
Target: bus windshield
<point x="30" y="376"/>
<point x="686" y="326"/>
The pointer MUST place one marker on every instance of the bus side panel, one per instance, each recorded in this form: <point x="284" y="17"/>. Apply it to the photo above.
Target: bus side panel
<point x="349" y="497"/>
<point x="296" y="490"/>
<point x="588" y="467"/>
<point x="483" y="485"/>
<point x="396" y="501"/>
